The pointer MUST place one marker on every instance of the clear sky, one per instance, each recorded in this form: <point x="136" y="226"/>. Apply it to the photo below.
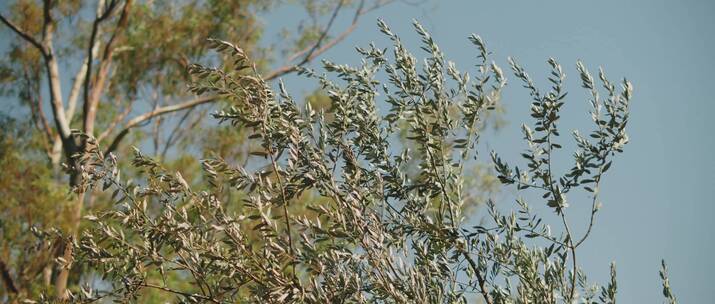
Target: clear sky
<point x="657" y="198"/>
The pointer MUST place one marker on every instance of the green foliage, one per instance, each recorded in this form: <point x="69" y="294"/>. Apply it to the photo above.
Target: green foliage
<point x="667" y="292"/>
<point x="144" y="59"/>
<point x="30" y="198"/>
<point x="165" y="35"/>
<point x="377" y="234"/>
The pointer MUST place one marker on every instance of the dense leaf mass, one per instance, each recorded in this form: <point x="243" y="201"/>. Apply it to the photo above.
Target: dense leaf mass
<point x="374" y="233"/>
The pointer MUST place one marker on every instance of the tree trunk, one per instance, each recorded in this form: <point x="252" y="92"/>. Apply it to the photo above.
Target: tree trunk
<point x="64" y="272"/>
<point x="75" y="217"/>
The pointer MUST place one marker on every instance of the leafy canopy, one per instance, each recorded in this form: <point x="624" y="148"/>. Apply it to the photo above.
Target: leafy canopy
<point x="384" y="236"/>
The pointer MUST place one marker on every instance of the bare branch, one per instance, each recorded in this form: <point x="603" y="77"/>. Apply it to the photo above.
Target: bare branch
<point x="35" y="101"/>
<point x="156" y="112"/>
<point x="115" y="122"/>
<point x="81" y="73"/>
<point x="181" y="293"/>
<point x="324" y="33"/>
<point x="25" y="35"/>
<point x="156" y="128"/>
<point x="176" y="131"/>
<point x="168" y="109"/>
<point x="318" y="50"/>
<point x="91" y="98"/>
<point x="53" y="75"/>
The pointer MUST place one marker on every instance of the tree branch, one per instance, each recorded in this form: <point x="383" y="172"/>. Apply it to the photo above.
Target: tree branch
<point x="323" y="34"/>
<point x="76" y="87"/>
<point x="317" y="50"/>
<point x="115" y="122"/>
<point x="53" y="76"/>
<point x="81" y="73"/>
<point x="25" y="35"/>
<point x="91" y="98"/>
<point x="480" y="278"/>
<point x="181" y="293"/>
<point x="35" y="101"/>
<point x="176" y="132"/>
<point x="156" y="112"/>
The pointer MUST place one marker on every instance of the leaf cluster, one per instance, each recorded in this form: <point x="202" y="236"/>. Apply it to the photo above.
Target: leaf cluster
<point x="383" y="236"/>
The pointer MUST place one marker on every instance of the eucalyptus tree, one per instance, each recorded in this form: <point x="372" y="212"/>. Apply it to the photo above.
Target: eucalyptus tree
<point x="107" y="67"/>
<point x="26" y="187"/>
<point x="384" y="236"/>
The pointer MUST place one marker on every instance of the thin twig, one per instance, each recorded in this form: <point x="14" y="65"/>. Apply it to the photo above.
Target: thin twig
<point x="185" y="294"/>
<point x="324" y="33"/>
<point x="320" y="50"/>
<point x="480" y="277"/>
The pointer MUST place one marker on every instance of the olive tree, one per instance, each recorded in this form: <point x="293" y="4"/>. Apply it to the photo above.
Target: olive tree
<point x="374" y="233"/>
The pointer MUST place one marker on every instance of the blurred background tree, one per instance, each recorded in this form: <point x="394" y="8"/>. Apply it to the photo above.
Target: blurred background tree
<point x="116" y="70"/>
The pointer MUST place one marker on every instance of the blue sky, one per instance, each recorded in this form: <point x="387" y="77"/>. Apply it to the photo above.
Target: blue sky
<point x="657" y="198"/>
